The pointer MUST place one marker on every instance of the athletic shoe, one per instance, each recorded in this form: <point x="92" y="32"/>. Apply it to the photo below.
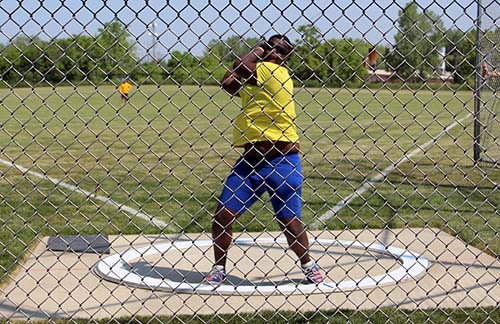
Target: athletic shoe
<point x="216" y="276"/>
<point x="312" y="273"/>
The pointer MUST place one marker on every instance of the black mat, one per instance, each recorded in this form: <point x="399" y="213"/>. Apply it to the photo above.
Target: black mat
<point x="80" y="243"/>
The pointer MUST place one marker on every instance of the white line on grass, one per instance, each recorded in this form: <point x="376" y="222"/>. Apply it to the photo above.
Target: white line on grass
<point x="368" y="184"/>
<point x="133" y="212"/>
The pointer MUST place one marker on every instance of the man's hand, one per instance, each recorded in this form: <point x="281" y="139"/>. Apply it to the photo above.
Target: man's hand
<point x="245" y="66"/>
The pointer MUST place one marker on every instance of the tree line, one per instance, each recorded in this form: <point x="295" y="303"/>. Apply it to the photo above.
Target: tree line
<point x="111" y="55"/>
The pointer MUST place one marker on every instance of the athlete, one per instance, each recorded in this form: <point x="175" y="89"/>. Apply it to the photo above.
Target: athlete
<point x="266" y="130"/>
<point x="124" y="90"/>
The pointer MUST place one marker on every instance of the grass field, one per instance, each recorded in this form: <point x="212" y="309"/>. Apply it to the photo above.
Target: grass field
<point x="168" y="151"/>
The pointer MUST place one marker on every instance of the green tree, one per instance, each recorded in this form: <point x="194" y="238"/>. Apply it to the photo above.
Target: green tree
<point x="4" y="64"/>
<point x="307" y="61"/>
<point x="221" y="54"/>
<point x="346" y="62"/>
<point x="227" y="51"/>
<point x="330" y="63"/>
<point x="10" y="55"/>
<point x="180" y="67"/>
<point x="83" y="49"/>
<point x="214" y="67"/>
<point x="113" y="52"/>
<point x="72" y="57"/>
<point x="63" y="65"/>
<point x="417" y="43"/>
<point x="461" y="54"/>
<point x="150" y="72"/>
<point x="29" y="63"/>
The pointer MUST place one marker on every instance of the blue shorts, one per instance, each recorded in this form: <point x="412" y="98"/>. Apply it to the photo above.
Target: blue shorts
<point x="280" y="177"/>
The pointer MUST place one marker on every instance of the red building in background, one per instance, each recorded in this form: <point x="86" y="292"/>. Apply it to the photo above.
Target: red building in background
<point x="374" y="74"/>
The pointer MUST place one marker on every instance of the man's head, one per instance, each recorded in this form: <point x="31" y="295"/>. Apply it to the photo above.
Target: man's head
<point x="278" y="49"/>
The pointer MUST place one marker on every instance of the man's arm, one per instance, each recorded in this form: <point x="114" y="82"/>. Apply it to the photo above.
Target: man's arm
<point x="486" y="71"/>
<point x="245" y="66"/>
<point x="231" y="82"/>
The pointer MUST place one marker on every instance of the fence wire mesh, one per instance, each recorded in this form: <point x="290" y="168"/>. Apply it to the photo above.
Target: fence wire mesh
<point x="121" y="123"/>
<point x="488" y="108"/>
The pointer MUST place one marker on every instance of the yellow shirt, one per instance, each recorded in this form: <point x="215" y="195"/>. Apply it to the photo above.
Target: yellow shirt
<point x="268" y="109"/>
<point x="125" y="87"/>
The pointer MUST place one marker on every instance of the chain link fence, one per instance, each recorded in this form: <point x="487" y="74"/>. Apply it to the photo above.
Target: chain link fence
<point x="108" y="188"/>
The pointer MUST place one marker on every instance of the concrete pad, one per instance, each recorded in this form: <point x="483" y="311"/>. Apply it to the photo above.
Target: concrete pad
<point x="63" y="284"/>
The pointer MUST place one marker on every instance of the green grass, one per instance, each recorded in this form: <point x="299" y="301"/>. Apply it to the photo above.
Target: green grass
<point x="168" y="151"/>
<point x="380" y="316"/>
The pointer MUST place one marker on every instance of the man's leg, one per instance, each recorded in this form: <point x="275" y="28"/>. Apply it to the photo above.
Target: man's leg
<point x="296" y="237"/>
<point x="299" y="243"/>
<point x="237" y="195"/>
<point x="222" y="233"/>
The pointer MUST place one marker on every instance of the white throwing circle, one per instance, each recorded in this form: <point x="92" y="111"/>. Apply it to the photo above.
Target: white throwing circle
<point x="114" y="268"/>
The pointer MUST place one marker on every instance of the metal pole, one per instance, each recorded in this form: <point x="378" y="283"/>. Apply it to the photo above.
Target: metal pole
<point x="477" y="86"/>
<point x="154" y="37"/>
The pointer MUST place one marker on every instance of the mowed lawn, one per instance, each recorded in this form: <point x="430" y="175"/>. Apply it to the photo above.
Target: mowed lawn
<point x="166" y="154"/>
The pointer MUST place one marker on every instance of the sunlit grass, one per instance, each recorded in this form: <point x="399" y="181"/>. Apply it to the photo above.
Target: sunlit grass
<point x="168" y="151"/>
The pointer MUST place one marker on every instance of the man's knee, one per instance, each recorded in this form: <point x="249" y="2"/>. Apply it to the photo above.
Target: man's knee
<point x="224" y="217"/>
<point x="292" y="225"/>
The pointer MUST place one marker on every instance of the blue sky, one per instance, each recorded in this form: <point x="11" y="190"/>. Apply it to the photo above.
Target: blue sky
<point x="190" y="25"/>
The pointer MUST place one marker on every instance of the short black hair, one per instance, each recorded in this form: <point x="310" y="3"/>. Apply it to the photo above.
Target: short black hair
<point x="283" y="37"/>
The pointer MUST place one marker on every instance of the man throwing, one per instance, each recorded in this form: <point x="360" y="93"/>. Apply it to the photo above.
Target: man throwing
<point x="266" y="130"/>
